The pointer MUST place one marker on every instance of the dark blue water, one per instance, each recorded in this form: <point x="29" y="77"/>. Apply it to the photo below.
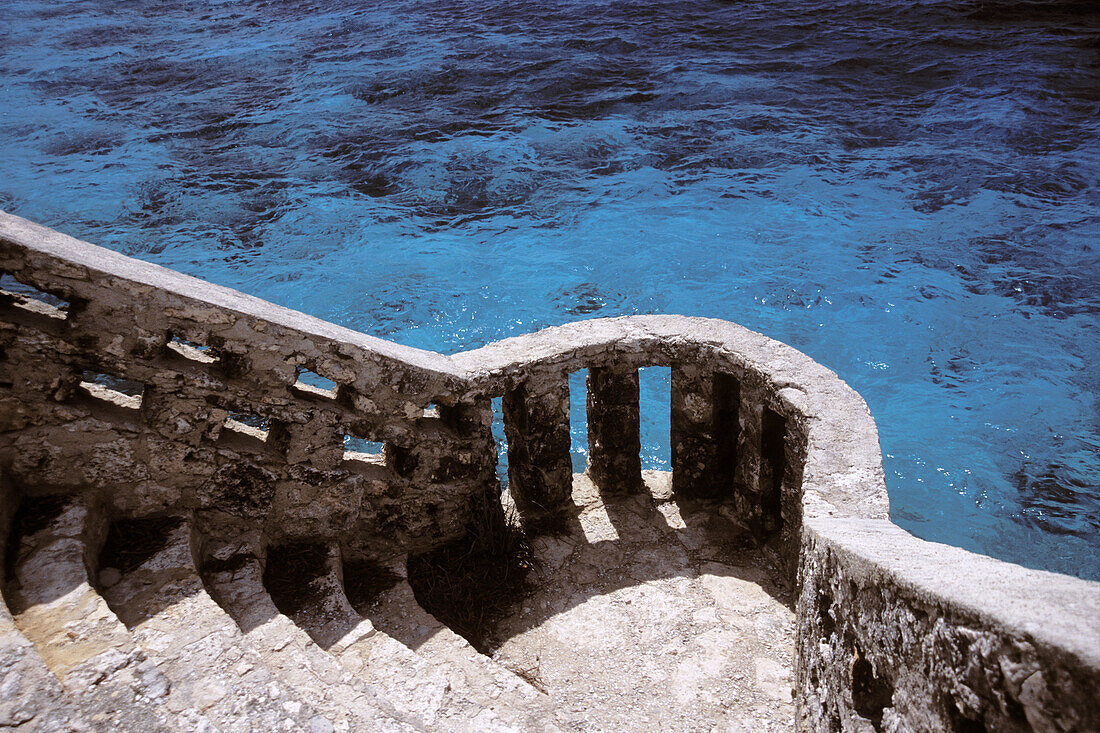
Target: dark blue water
<point x="906" y="191"/>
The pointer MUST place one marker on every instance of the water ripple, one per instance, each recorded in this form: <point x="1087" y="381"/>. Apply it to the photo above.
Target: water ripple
<point x="908" y="191"/>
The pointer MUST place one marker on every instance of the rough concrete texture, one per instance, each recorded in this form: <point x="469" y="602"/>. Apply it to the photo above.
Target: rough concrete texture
<point x="395" y="613"/>
<point x="30" y="695"/>
<point x="159" y="596"/>
<point x="536" y="423"/>
<point x="82" y="642"/>
<point x="130" y="391"/>
<point x="419" y="687"/>
<point x="233" y="572"/>
<point x="656" y="615"/>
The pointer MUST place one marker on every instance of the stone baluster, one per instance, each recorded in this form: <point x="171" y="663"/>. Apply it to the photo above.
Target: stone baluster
<point x="705" y="431"/>
<point x="614" y="442"/>
<point x="692" y="431"/>
<point x="472" y="447"/>
<point x="318" y="442"/>
<point x="727" y="426"/>
<point x="536" y="423"/>
<point x="760" y="463"/>
<point x="747" y="474"/>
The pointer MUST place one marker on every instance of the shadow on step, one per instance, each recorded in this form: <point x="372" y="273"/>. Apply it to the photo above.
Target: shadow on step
<point x="110" y="551"/>
<point x="299" y="580"/>
<point x="32" y="515"/>
<point x="303" y="579"/>
<point x="52" y="541"/>
<point x="132" y="544"/>
<point x="604" y="543"/>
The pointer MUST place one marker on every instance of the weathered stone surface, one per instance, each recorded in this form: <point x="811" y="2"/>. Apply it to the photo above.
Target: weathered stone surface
<point x="941" y="640"/>
<point x="239" y="359"/>
<point x="82" y="642"/>
<point x="149" y="392"/>
<point x="422" y="688"/>
<point x="234" y="576"/>
<point x="614" y="442"/>
<point x="31" y="698"/>
<point x="694" y="446"/>
<point x="395" y="613"/>
<point x="536" y="421"/>
<point x="192" y="641"/>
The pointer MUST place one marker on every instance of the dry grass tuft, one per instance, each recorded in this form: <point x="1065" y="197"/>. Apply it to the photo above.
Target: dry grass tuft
<point x="473" y="582"/>
<point x="290" y="573"/>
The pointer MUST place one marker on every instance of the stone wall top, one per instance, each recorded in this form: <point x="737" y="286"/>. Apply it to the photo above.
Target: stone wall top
<point x="843" y="471"/>
<point x="1052" y="609"/>
<point x="58" y="263"/>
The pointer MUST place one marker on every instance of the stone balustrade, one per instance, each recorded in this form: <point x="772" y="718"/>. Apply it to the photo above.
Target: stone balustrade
<point x="158" y="393"/>
<point x="163" y="391"/>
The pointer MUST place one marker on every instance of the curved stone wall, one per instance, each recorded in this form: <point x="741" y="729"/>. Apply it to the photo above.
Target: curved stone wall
<point x="160" y="393"/>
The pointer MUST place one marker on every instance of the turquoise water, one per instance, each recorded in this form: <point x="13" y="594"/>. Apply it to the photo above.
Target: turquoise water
<point x="906" y="191"/>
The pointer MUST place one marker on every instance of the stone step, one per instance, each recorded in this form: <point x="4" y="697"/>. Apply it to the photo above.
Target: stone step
<point x="234" y="577"/>
<point x="306" y="584"/>
<point x="149" y="578"/>
<point x="73" y="629"/>
<point x="395" y="612"/>
<point x="31" y="698"/>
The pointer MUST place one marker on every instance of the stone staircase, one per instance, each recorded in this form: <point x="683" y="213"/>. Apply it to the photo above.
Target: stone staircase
<point x="80" y="639"/>
<point x="31" y="697"/>
<point x="185" y="623"/>
<point x="116" y="627"/>
<point x="155" y="589"/>
<point x="198" y="485"/>
<point x="395" y="613"/>
<point x="454" y="689"/>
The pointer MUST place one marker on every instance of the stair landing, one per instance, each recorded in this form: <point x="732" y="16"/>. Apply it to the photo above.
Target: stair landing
<point x="651" y="614"/>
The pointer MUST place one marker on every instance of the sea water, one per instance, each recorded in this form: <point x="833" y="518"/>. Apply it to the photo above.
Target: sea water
<point x="905" y="190"/>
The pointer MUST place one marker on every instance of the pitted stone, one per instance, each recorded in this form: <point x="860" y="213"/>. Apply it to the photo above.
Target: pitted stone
<point x="614" y="442"/>
<point x="536" y="421"/>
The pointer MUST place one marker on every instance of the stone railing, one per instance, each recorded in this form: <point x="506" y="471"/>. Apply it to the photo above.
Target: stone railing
<point x="163" y="393"/>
